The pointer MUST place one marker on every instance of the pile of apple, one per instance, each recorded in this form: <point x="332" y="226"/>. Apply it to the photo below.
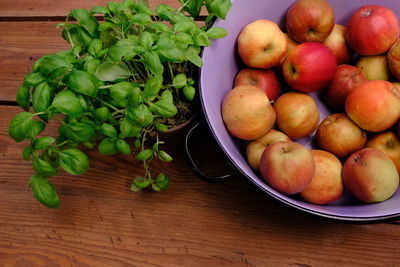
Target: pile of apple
<point x="353" y="70"/>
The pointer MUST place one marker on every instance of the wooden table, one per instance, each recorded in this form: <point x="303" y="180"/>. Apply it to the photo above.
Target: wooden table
<point x="193" y="223"/>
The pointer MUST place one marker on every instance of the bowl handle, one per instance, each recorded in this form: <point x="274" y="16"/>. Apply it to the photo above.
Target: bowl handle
<point x="192" y="164"/>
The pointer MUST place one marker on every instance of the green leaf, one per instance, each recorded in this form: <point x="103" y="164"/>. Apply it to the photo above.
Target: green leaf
<point x="125" y="127"/>
<point x="43" y="142"/>
<point x="105" y="26"/>
<point x="152" y="87"/>
<point x="99" y="10"/>
<point x="162" y="128"/>
<point x="135" y="96"/>
<point x="82" y="82"/>
<point x="82" y="102"/>
<point x="120" y="92"/>
<point x="159" y="27"/>
<point x="144" y="154"/>
<point x="189" y="92"/>
<point x="20" y="125"/>
<point x="43" y="167"/>
<point x="67" y="103"/>
<point x="123" y="147"/>
<point x="193" y="57"/>
<point x="23" y="97"/>
<point x="142" y="6"/>
<point x="174" y="54"/>
<point x="41" y="98"/>
<point x="44" y="191"/>
<point x="102" y="114"/>
<point x="164" y="156"/>
<point x="146" y="39"/>
<point x="108" y="130"/>
<point x="78" y="132"/>
<point x="84" y="37"/>
<point x="88" y="21"/>
<point x="184" y="38"/>
<point x="36" y="128"/>
<point x="107" y="146"/>
<point x="216" y="33"/>
<point x="162" y="8"/>
<point x="201" y="39"/>
<point x="52" y="65"/>
<point x="163" y="181"/>
<point x="140" y="19"/>
<point x="165" y="106"/>
<point x="27" y="153"/>
<point x="140" y="115"/>
<point x="193" y="6"/>
<point x="179" y="81"/>
<point x="152" y="60"/>
<point x="113" y="71"/>
<point x="218" y="8"/>
<point x="155" y="187"/>
<point x="92" y="65"/>
<point x="74" y="161"/>
<point x="95" y="47"/>
<point x="139" y="183"/>
<point x="33" y="79"/>
<point x="125" y="48"/>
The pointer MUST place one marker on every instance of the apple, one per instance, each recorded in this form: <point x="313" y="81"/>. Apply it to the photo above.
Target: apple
<point x="310" y="20"/>
<point x="262" y="44"/>
<point x="326" y="185"/>
<point x="336" y="41"/>
<point x="388" y="143"/>
<point x="374" y="67"/>
<point x="374" y="105"/>
<point x="396" y="84"/>
<point x="372" y="30"/>
<point x="303" y="73"/>
<point x="287" y="167"/>
<point x="393" y="57"/>
<point x="265" y="79"/>
<point x="370" y="175"/>
<point x="296" y="114"/>
<point x="255" y="149"/>
<point x="346" y="78"/>
<point x="247" y="112"/>
<point x="339" y="135"/>
<point x="291" y="44"/>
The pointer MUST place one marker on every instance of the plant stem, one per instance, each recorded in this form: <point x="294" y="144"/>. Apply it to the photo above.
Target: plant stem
<point x="59" y="119"/>
<point x="107" y="104"/>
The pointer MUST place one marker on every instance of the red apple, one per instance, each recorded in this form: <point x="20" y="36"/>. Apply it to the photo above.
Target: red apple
<point x="346" y="78"/>
<point x="310" y="20"/>
<point x="336" y="41"/>
<point x="370" y="175"/>
<point x="255" y="149"/>
<point x="339" y="135"/>
<point x="247" y="112"/>
<point x="262" y="44"/>
<point x="296" y="114"/>
<point x="393" y="57"/>
<point x="326" y="185"/>
<point x="265" y="79"/>
<point x="374" y="105"/>
<point x="303" y="73"/>
<point x="287" y="167"/>
<point x="374" y="67"/>
<point x="388" y="143"/>
<point x="372" y="30"/>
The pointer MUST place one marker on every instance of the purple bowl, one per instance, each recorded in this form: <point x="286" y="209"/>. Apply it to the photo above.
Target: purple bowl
<point x="221" y="63"/>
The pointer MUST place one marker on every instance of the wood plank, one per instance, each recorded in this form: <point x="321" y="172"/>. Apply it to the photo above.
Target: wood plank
<point x="21" y="44"/>
<point x="192" y="223"/>
<point x="27" y="8"/>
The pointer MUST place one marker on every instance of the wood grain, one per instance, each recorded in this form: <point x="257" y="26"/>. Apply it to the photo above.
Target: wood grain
<point x="21" y="44"/>
<point x="27" y="8"/>
<point x="101" y="222"/>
